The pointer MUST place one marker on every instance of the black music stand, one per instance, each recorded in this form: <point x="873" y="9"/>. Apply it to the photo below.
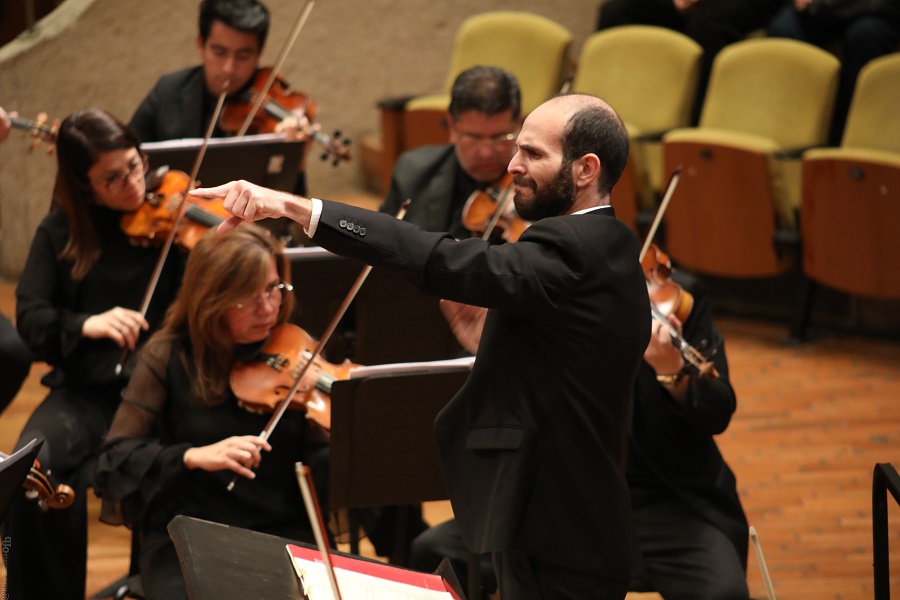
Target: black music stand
<point x="221" y="562"/>
<point x="383" y="449"/>
<point x="321" y="281"/>
<point x="395" y="322"/>
<point x="390" y="321"/>
<point x="269" y="159"/>
<point x="13" y="471"/>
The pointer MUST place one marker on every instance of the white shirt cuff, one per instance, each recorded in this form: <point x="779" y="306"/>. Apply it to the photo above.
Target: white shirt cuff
<point x="314" y="217"/>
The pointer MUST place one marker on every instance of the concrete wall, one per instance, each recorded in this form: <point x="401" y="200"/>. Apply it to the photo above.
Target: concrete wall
<point x="108" y="53"/>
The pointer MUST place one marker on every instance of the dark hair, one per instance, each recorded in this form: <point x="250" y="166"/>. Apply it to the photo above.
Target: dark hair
<point x="81" y="138"/>
<point x="248" y="16"/>
<point x="598" y="130"/>
<point x="489" y="90"/>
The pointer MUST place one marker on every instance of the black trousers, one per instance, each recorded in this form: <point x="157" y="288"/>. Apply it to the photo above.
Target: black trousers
<point x="161" y="575"/>
<point x="684" y="556"/>
<point x="15" y="362"/>
<point x="47" y="555"/>
<point x="524" y="577"/>
<point x="519" y="576"/>
<point x="443" y="540"/>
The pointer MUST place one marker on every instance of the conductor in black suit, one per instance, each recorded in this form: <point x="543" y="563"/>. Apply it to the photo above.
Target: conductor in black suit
<point x="691" y="528"/>
<point x="533" y="445"/>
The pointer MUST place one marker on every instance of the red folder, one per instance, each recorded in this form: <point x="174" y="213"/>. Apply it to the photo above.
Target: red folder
<point x="376" y="569"/>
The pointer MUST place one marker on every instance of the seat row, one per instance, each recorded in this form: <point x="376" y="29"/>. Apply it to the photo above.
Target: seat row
<point x="756" y="176"/>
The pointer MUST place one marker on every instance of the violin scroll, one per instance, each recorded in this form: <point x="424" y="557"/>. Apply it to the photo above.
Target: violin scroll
<point x="279" y="103"/>
<point x="41" y="127"/>
<point x="38" y="487"/>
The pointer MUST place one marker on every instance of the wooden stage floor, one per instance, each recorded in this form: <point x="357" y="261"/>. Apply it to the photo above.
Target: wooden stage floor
<point x="812" y="422"/>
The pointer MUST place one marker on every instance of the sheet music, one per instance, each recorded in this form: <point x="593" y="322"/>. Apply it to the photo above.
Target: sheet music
<point x="359" y="586"/>
<point x="428" y="366"/>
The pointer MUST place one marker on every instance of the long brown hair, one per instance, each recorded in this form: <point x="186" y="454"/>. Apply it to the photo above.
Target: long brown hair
<point x="222" y="271"/>
<point x="81" y="138"/>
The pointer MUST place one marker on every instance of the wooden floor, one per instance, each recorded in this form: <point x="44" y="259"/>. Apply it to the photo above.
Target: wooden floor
<point x="812" y="422"/>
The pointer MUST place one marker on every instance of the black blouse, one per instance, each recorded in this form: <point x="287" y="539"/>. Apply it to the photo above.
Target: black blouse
<point x="51" y="307"/>
<point x="141" y="475"/>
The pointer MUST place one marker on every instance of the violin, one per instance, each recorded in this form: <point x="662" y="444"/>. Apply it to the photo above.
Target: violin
<point x="306" y="362"/>
<point x="492" y="209"/>
<point x="261" y="385"/>
<point x="669" y="298"/>
<point x="154" y="220"/>
<point x="666" y="295"/>
<point x="279" y="103"/>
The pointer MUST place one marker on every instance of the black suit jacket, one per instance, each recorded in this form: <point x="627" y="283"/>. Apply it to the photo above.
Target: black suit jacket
<point x="533" y="445"/>
<point x="672" y="453"/>
<point x="432" y="179"/>
<point x="175" y="108"/>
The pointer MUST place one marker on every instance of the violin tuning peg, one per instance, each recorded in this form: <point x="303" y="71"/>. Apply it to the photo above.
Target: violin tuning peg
<point x="324" y="156"/>
<point x="335" y="162"/>
<point x="337" y="133"/>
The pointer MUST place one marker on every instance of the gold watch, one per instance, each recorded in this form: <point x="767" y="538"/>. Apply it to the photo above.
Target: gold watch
<point x="670" y="380"/>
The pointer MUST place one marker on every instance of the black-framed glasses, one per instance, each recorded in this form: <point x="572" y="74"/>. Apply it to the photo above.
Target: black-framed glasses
<point x="115" y="182"/>
<point x="273" y="295"/>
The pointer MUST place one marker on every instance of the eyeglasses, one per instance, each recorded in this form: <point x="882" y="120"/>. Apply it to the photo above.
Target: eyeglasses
<point x="273" y="295"/>
<point x="115" y="182"/>
<point x="497" y="141"/>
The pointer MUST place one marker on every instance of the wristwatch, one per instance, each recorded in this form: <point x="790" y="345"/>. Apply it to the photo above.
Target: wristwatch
<point x="670" y="380"/>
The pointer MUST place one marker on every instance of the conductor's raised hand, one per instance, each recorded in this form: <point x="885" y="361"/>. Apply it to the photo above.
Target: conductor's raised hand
<point x="239" y="453"/>
<point x="246" y="201"/>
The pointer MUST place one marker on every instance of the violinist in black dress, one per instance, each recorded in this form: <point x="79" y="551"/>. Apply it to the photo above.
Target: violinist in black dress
<point x="15" y="359"/>
<point x="77" y="308"/>
<point x="180" y="435"/>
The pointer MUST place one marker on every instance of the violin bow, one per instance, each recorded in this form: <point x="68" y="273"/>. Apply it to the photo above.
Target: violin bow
<point x="317" y="351"/>
<point x="261" y="96"/>
<point x="314" y="512"/>
<point x="670" y="190"/>
<point x="182" y="208"/>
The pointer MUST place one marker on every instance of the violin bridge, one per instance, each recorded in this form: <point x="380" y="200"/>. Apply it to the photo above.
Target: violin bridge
<point x="277" y="362"/>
